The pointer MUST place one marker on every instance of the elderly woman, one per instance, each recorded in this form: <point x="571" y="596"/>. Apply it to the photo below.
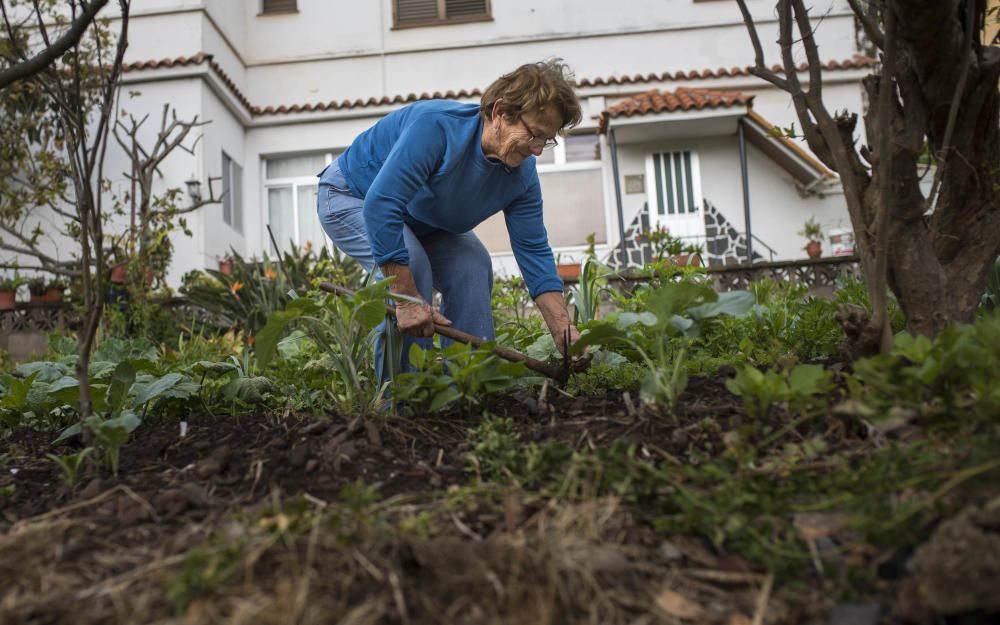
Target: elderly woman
<point x="407" y="193"/>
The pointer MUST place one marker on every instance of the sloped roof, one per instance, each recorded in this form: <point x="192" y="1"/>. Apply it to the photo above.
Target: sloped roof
<point x="805" y="167"/>
<point x="680" y="99"/>
<point x="856" y="62"/>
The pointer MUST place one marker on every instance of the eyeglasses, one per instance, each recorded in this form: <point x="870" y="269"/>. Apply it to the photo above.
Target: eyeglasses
<point x="545" y="142"/>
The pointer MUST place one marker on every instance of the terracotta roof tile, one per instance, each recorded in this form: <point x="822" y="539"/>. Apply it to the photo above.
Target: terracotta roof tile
<point x="857" y="62"/>
<point x="681" y="99"/>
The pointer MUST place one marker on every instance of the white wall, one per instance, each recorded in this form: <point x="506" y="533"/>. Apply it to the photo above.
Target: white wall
<point x="471" y="56"/>
<point x="335" y="50"/>
<point x="215" y="237"/>
<point x="777" y="211"/>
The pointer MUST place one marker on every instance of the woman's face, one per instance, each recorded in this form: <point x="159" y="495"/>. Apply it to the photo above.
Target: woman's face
<point x="517" y="138"/>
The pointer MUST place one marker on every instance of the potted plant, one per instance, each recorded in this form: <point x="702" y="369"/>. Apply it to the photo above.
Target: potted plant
<point x="37" y="287"/>
<point x="814" y="235"/>
<point x="8" y="291"/>
<point x="568" y="271"/>
<point x="690" y="254"/>
<point x="226" y="265"/>
<point x="118" y="273"/>
<point x="54" y="291"/>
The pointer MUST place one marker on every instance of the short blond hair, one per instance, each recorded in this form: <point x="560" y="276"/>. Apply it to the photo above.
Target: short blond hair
<point x="533" y="88"/>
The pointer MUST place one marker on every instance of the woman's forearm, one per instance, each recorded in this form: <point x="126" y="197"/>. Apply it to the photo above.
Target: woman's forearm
<point x="554" y="311"/>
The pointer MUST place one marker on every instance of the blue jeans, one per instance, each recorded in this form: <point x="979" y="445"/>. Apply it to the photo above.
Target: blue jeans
<point x="456" y="265"/>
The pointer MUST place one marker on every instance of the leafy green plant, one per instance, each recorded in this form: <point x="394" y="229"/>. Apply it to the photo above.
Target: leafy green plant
<point x="343" y="327"/>
<point x="126" y="388"/>
<point x="602" y="378"/>
<point x="811" y="230"/>
<point x="70" y="465"/>
<point x="585" y="296"/>
<point x="459" y="373"/>
<point x="246" y="297"/>
<point x="496" y="449"/>
<point x="37" y="286"/>
<point x="664" y="244"/>
<point x="762" y="389"/>
<point x="11" y="283"/>
<point x="662" y="336"/>
<point x="955" y="372"/>
<point x="115" y="418"/>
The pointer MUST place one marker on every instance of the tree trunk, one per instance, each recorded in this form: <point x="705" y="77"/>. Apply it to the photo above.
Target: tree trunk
<point x="940" y="261"/>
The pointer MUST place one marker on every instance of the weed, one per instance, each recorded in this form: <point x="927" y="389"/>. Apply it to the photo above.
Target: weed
<point x="459" y="374"/>
<point x="797" y="387"/>
<point x="603" y="378"/>
<point x="70" y="465"/>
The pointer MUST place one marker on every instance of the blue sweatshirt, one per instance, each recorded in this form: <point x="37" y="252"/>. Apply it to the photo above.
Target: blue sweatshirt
<point x="423" y="165"/>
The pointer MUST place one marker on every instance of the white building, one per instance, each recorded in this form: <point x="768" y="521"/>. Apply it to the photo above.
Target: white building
<point x="287" y="84"/>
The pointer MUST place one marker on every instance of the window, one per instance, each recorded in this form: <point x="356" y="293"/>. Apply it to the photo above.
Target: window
<point x="290" y="183"/>
<point x="232" y="193"/>
<point x="277" y="6"/>
<point x="572" y="196"/>
<point x="674" y="183"/>
<point x="430" y="12"/>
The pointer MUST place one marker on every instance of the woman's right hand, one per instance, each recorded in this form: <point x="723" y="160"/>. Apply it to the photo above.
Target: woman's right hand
<point x="414" y="318"/>
<point x="418" y="319"/>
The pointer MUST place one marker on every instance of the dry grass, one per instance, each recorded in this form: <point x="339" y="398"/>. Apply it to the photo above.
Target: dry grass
<point x="587" y="564"/>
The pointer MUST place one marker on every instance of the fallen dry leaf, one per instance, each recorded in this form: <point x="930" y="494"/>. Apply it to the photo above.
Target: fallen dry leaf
<point x="676" y="604"/>
<point x="813" y="525"/>
<point x="739" y="619"/>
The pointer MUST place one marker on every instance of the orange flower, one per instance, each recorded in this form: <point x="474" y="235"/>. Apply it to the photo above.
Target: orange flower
<point x="250" y="340"/>
<point x="270" y="274"/>
<point x="309" y="245"/>
<point x="236" y="287"/>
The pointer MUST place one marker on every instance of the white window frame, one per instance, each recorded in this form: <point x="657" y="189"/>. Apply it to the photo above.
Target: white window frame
<point x="262" y="9"/>
<point x="655" y="219"/>
<point x="442" y="18"/>
<point x="234" y="199"/>
<point x="560" y="165"/>
<point x="294" y="182"/>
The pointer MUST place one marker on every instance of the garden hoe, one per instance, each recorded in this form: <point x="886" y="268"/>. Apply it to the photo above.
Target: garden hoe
<point x="557" y="373"/>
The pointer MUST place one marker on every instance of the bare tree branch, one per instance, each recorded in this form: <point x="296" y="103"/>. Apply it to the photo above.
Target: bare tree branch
<point x="28" y="248"/>
<point x="887" y="111"/>
<point x="812" y="51"/>
<point x="868" y="24"/>
<point x="760" y="68"/>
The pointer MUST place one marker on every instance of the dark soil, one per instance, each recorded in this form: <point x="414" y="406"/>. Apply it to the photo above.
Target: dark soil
<point x="230" y="462"/>
<point x="104" y="550"/>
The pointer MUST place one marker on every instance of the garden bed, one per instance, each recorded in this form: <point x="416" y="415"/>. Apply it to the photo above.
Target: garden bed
<point x="398" y="520"/>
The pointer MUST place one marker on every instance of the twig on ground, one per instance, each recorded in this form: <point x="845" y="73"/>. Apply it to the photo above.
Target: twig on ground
<point x="762" y="600"/>
<point x="60" y="511"/>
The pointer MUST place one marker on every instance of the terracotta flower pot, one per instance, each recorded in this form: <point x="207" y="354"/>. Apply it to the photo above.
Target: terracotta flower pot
<point x="568" y="270"/>
<point x="7" y="299"/>
<point x="683" y="260"/>
<point x="54" y="294"/>
<point x="814" y="249"/>
<point x="38" y="298"/>
<point x="118" y="274"/>
<point x="226" y="266"/>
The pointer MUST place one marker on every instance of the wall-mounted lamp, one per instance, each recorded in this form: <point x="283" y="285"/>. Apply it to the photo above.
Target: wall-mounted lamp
<point x="194" y="189"/>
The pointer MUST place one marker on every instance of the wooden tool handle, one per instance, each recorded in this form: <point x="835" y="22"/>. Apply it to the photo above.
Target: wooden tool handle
<point x="556" y="373"/>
